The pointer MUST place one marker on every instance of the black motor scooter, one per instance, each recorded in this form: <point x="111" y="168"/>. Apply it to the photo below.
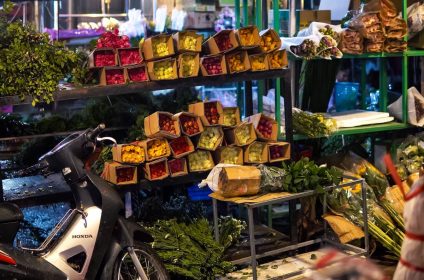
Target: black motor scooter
<point x="92" y="241"/>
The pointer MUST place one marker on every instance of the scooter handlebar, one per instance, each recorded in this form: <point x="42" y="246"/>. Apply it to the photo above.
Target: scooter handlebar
<point x="92" y="135"/>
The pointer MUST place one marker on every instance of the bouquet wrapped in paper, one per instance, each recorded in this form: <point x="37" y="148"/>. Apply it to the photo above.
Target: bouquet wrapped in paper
<point x="385" y="195"/>
<point x="302" y="47"/>
<point x="329" y="36"/>
<point x="348" y="203"/>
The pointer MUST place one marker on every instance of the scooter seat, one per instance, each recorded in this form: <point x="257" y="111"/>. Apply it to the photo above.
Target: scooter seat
<point x="10" y="218"/>
<point x="10" y="212"/>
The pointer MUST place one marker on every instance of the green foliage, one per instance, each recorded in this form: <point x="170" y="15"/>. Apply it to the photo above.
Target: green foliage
<point x="189" y="250"/>
<point x="81" y="75"/>
<point x="230" y="230"/>
<point x="306" y="175"/>
<point x="104" y="156"/>
<point x="31" y="65"/>
<point x="13" y="125"/>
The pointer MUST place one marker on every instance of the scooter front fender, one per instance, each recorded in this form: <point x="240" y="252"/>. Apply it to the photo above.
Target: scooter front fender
<point x="123" y="237"/>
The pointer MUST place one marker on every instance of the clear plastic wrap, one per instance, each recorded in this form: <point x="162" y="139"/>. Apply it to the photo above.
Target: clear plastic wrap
<point x="313" y="124"/>
<point x="348" y="203"/>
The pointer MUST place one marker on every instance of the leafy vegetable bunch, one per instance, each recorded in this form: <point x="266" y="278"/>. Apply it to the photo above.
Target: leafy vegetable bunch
<point x="306" y="175"/>
<point x="30" y="65"/>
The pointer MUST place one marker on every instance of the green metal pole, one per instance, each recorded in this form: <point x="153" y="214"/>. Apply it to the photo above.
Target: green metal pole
<point x="405" y="89"/>
<point x="245" y="13"/>
<point x="239" y="93"/>
<point x="405" y="71"/>
<point x="237" y="12"/>
<point x="261" y="85"/>
<point x="276" y="25"/>
<point x="383" y="85"/>
<point x="363" y="84"/>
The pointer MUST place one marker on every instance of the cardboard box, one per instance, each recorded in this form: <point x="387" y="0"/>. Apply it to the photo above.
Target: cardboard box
<point x="244" y="60"/>
<point x="211" y="45"/>
<point x="147" y="145"/>
<point x="153" y="127"/>
<point x="231" y="121"/>
<point x="282" y="56"/>
<point x="256" y="39"/>
<point x="135" y="52"/>
<point x="303" y="19"/>
<point x="179" y="41"/>
<point x="173" y="165"/>
<point x="184" y="117"/>
<point x="260" y="157"/>
<point x="176" y="142"/>
<point x="114" y="171"/>
<point x="160" y="164"/>
<point x="283" y="149"/>
<point x="149" y="46"/>
<point x="199" y="20"/>
<point x="275" y="39"/>
<point x="255" y="120"/>
<point x="201" y="108"/>
<point x="206" y="139"/>
<point x="232" y="136"/>
<point x="151" y="66"/>
<point x="182" y="64"/>
<point x="135" y="73"/>
<point x="119" y="150"/>
<point x="200" y="161"/>
<point x="113" y="76"/>
<point x="261" y="57"/>
<point x="102" y="52"/>
<point x="236" y="181"/>
<point x="205" y="61"/>
<point x="222" y="155"/>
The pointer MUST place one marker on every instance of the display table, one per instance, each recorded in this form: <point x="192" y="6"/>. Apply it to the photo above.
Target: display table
<point x="252" y="202"/>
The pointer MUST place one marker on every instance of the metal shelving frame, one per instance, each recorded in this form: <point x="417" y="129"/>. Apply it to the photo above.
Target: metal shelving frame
<point x="252" y="259"/>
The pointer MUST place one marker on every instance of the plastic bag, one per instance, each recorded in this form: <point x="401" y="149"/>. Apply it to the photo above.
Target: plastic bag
<point x="415" y="19"/>
<point x="321" y="29"/>
<point x="415" y="108"/>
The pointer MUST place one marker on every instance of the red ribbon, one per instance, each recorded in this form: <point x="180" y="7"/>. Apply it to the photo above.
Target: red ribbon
<point x="411" y="266"/>
<point x="414" y="193"/>
<point x="414" y="236"/>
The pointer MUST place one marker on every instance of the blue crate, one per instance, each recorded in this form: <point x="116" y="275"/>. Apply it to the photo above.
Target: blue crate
<point x="197" y="194"/>
<point x="345" y="96"/>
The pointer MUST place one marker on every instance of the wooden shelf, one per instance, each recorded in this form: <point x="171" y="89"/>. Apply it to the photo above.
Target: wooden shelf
<point x="99" y="91"/>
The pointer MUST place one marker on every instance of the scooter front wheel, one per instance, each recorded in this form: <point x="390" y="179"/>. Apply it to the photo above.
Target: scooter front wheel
<point x="125" y="269"/>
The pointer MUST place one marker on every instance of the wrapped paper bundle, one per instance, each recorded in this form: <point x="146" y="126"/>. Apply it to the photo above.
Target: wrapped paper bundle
<point x="396" y="28"/>
<point x="373" y="47"/>
<point x="351" y="42"/>
<point x="415" y="107"/>
<point x="411" y="264"/>
<point x="395" y="45"/>
<point x="321" y="29"/>
<point x="415" y="19"/>
<point x="369" y="25"/>
<point x="385" y="8"/>
<point x="328" y="48"/>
